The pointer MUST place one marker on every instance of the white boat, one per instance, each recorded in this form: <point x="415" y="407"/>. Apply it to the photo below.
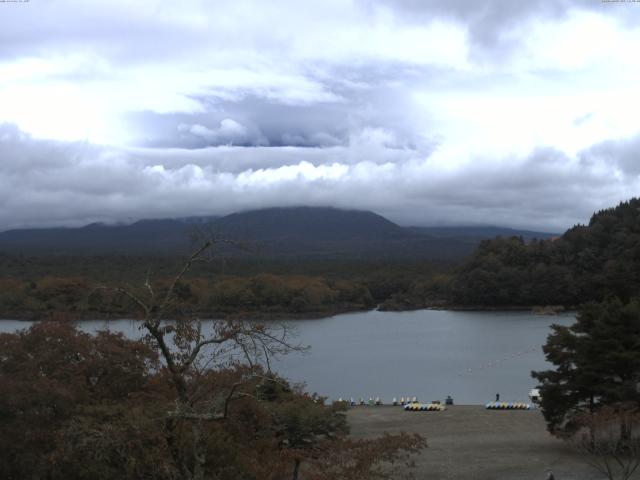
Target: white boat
<point x="534" y="395"/>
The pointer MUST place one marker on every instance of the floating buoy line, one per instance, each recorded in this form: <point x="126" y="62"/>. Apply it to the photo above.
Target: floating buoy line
<point x="497" y="362"/>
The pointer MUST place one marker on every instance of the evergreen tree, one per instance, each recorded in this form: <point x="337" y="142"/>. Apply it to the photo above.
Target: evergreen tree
<point x="597" y="362"/>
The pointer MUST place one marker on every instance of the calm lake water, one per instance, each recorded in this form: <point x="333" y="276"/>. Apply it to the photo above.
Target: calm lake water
<point x="426" y="353"/>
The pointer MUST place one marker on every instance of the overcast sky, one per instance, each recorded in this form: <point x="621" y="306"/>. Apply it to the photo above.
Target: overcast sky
<point x="503" y="112"/>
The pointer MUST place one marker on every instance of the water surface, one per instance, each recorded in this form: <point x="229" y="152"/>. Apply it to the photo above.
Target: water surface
<point x="426" y="353"/>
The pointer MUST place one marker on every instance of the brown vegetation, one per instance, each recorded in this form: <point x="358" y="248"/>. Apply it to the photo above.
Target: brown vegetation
<point x="185" y="402"/>
<point x="610" y="440"/>
<point x="262" y="295"/>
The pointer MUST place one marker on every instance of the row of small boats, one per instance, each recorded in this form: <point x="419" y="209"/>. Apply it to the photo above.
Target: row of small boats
<point x="508" y="406"/>
<point x="413" y="404"/>
<point x="378" y="401"/>
<point x="425" y="407"/>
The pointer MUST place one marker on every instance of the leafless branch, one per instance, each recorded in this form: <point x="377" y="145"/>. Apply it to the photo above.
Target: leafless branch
<point x="185" y="268"/>
<point x="228" y="399"/>
<point x="133" y="297"/>
<point x="147" y="284"/>
<point x="196" y="350"/>
<point x="610" y="440"/>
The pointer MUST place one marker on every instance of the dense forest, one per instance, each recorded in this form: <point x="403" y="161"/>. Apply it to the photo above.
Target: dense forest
<point x="71" y="286"/>
<point x="54" y="297"/>
<point x="587" y="263"/>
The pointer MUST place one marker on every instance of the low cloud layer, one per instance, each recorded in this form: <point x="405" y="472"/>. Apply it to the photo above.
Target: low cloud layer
<point x="429" y="112"/>
<point x="73" y="183"/>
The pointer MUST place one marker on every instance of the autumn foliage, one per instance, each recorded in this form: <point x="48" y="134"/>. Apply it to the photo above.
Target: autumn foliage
<point x="82" y="406"/>
<point x="69" y="298"/>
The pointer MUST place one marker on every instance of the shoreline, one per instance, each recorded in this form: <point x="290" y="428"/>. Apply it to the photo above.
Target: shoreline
<point x="284" y="315"/>
<point x="268" y="316"/>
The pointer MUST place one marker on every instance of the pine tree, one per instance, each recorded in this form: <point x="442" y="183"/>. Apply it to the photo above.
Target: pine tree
<point x="597" y="363"/>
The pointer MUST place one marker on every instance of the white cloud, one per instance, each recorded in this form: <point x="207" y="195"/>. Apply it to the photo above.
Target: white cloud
<point x="426" y="110"/>
<point x="76" y="183"/>
<point x="228" y="133"/>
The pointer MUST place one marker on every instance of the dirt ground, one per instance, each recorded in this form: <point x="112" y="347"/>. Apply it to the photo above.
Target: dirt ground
<point x="470" y="442"/>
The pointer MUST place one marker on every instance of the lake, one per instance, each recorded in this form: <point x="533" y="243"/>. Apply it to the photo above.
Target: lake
<point x="426" y="353"/>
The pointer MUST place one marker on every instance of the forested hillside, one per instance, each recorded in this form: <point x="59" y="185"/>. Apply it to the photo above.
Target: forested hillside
<point x="589" y="262"/>
<point x="586" y="263"/>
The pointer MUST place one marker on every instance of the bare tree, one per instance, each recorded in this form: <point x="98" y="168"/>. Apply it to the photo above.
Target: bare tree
<point x="190" y="348"/>
<point x="610" y="440"/>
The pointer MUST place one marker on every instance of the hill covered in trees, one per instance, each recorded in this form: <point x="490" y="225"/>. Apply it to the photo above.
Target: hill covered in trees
<point x="587" y="263"/>
<point x="315" y="262"/>
<point x="301" y="261"/>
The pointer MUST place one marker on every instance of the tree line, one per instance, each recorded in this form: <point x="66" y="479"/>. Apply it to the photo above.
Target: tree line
<point x="588" y="263"/>
<point x="265" y="294"/>
<point x="65" y="287"/>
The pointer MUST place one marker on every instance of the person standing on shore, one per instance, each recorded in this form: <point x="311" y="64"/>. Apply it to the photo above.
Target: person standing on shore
<point x="497" y="397"/>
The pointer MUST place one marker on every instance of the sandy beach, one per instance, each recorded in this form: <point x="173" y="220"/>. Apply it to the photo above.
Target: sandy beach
<point x="470" y="442"/>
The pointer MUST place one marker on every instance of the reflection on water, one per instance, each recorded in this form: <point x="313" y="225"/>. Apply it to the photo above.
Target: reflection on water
<point x="427" y="353"/>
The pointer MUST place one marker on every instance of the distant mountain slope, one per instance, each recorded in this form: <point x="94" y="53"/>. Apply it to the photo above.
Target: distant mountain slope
<point x="319" y="223"/>
<point x="157" y="236"/>
<point x="304" y="232"/>
<point x="481" y="232"/>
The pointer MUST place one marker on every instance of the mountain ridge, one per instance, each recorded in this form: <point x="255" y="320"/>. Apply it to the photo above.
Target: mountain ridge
<point x="279" y="231"/>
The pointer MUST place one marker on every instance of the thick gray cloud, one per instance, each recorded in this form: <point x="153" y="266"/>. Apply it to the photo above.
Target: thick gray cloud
<point x="267" y="123"/>
<point x="488" y="20"/>
<point x="75" y="183"/>
<point x="624" y="153"/>
<point x="430" y="111"/>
